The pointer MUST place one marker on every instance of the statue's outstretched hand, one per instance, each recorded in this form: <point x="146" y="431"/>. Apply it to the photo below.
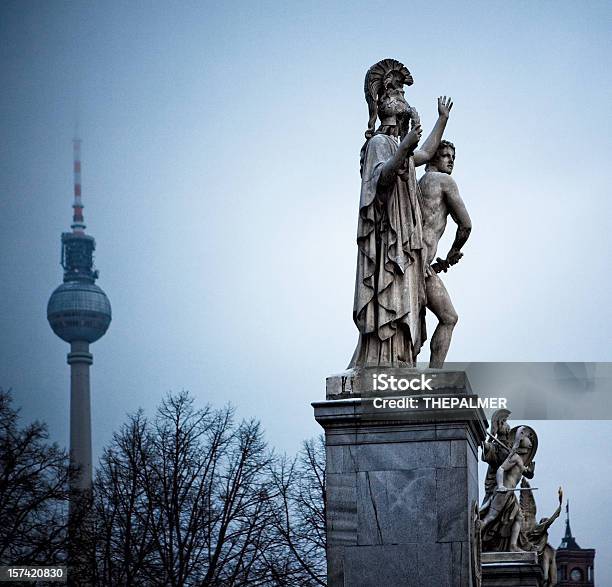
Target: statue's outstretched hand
<point x="444" y="106"/>
<point x="440" y="265"/>
<point x="414" y="136"/>
<point x="560" y="495"/>
<point x="529" y="470"/>
<point x="444" y="264"/>
<point x="453" y="257"/>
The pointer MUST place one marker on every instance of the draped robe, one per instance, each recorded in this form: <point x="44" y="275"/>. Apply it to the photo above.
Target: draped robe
<point x="389" y="305"/>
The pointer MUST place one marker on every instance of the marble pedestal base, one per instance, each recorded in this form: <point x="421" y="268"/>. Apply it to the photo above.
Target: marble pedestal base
<point x="399" y="492"/>
<point x="511" y="569"/>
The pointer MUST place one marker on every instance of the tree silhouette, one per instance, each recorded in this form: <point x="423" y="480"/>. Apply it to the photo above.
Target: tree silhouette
<point x="34" y="492"/>
<point x="299" y="516"/>
<point x="187" y="497"/>
<point x="183" y="499"/>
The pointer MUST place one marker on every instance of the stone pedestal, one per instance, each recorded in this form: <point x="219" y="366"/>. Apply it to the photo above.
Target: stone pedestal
<point x="400" y="485"/>
<point x="511" y="569"/>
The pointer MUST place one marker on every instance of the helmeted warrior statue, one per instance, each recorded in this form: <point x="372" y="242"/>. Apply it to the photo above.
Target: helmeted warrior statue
<point x="495" y="450"/>
<point x="390" y="298"/>
<point x="502" y="518"/>
<point x="508" y="522"/>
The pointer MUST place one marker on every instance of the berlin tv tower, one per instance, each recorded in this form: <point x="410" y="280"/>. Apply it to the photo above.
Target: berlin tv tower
<point x="79" y="313"/>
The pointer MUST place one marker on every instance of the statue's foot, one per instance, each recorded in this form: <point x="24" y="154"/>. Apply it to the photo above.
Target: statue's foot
<point x="516" y="549"/>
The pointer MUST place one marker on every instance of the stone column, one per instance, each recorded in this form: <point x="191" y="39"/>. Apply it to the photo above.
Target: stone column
<point x="399" y="486"/>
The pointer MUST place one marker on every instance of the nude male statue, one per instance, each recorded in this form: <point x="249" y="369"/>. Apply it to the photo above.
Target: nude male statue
<point x="439" y="199"/>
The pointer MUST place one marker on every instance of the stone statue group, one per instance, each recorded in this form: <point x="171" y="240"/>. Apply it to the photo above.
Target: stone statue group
<point x="507" y="517"/>
<point x="401" y="220"/>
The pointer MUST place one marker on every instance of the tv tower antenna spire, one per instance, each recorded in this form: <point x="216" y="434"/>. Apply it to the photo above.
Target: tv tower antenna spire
<point x="78" y="222"/>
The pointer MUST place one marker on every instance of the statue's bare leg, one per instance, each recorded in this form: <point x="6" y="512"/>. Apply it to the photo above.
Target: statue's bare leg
<point x="552" y="569"/>
<point x="439" y="302"/>
<point x="549" y="566"/>
<point x="545" y="564"/>
<point x="489" y="518"/>
<point x="494" y="509"/>
<point x="516" y="528"/>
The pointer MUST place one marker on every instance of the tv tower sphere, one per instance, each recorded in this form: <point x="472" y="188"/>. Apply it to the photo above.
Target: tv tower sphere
<point x="78" y="309"/>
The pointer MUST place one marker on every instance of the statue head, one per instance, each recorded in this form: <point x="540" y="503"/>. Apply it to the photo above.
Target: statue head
<point x="499" y="419"/>
<point x="384" y="92"/>
<point x="524" y="445"/>
<point x="524" y="442"/>
<point x="443" y="160"/>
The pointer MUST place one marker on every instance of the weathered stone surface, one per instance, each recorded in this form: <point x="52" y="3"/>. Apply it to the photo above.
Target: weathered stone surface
<point x="458" y="453"/>
<point x="511" y="569"/>
<point x="450" y="431"/>
<point x="460" y="564"/>
<point x="435" y="565"/>
<point x="400" y="456"/>
<point x="411" y="433"/>
<point x="342" y="509"/>
<point x="393" y="566"/>
<point x="394" y="507"/>
<point x="472" y="481"/>
<point x="403" y="565"/>
<point x="405" y="521"/>
<point x="335" y="565"/>
<point x="510" y="557"/>
<point x="334" y="459"/>
<point x="452" y="504"/>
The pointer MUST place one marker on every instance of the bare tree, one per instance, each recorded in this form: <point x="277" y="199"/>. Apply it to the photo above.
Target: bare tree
<point x="189" y="497"/>
<point x="184" y="500"/>
<point x="34" y="492"/>
<point x="299" y="517"/>
<point x="123" y="515"/>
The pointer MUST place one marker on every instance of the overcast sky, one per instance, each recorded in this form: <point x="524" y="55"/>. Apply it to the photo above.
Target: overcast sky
<point x="221" y="182"/>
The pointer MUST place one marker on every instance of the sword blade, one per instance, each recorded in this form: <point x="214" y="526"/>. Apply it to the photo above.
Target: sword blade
<point x="521" y="489"/>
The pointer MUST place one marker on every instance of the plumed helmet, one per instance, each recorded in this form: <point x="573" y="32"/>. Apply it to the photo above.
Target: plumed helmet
<point x="496" y="419"/>
<point x="381" y="76"/>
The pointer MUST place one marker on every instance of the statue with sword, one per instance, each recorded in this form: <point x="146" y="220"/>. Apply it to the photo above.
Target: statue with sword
<point x="501" y="514"/>
<point x="507" y="517"/>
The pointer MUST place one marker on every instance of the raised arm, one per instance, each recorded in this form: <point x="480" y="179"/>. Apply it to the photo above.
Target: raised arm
<point x="541" y="528"/>
<point x="552" y="518"/>
<point x="431" y="144"/>
<point x="406" y="147"/>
